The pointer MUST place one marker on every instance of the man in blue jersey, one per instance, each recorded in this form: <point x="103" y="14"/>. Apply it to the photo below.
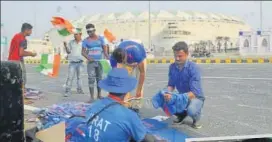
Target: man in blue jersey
<point x="135" y="59"/>
<point x="112" y="121"/>
<point x="93" y="48"/>
<point x="184" y="75"/>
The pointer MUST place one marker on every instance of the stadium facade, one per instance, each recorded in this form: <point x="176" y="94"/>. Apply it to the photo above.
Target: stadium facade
<point x="167" y="27"/>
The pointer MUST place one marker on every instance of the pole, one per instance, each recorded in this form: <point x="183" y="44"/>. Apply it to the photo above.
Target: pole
<point x="78" y="10"/>
<point x="149" y="25"/>
<point x="261" y="16"/>
<point x="35" y="20"/>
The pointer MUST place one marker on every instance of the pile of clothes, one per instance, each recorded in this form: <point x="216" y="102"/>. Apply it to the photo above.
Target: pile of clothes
<point x="75" y="115"/>
<point x="60" y="112"/>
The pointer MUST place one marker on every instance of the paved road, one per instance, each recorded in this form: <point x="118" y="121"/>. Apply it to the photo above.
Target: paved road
<point x="238" y="96"/>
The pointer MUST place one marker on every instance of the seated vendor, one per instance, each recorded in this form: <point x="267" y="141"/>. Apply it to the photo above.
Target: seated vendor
<point x="116" y="123"/>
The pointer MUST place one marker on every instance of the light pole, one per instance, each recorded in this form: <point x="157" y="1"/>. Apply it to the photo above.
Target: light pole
<point x="149" y="25"/>
<point x="59" y="9"/>
<point x="261" y="16"/>
<point x="78" y="10"/>
<point x="35" y="20"/>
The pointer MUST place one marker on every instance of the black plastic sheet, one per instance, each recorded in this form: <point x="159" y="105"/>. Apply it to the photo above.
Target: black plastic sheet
<point x="11" y="103"/>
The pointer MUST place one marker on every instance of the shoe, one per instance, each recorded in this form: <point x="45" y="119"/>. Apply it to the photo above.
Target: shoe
<point x="180" y="117"/>
<point x="90" y="101"/>
<point x="80" y="91"/>
<point x="99" y="97"/>
<point x="67" y="94"/>
<point x="196" y="125"/>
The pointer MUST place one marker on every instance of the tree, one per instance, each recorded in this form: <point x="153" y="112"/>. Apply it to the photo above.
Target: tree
<point x="218" y="40"/>
<point x="226" y="39"/>
<point x="209" y="43"/>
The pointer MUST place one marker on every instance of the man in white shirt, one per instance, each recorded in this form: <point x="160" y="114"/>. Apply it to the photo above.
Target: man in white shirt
<point x="75" y="58"/>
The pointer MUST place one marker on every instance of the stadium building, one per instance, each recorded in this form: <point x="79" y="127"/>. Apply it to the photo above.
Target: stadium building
<point x="167" y="27"/>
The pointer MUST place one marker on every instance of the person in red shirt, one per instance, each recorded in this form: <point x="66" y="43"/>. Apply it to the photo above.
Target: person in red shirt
<point x="18" y="46"/>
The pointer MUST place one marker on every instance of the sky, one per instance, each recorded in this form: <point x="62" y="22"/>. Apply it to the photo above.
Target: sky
<point x="39" y="13"/>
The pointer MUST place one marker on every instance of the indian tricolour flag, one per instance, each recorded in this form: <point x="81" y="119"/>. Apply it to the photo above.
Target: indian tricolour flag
<point x="49" y="65"/>
<point x="64" y="27"/>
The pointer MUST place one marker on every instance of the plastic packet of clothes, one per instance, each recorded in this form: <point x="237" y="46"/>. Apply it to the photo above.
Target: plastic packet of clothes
<point x="176" y="104"/>
<point x="77" y="130"/>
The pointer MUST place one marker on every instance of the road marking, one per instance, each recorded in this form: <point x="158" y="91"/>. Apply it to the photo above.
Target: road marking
<point x="30" y="108"/>
<point x="255" y="107"/>
<point x="236" y="78"/>
<point x="228" y="138"/>
<point x="31" y="73"/>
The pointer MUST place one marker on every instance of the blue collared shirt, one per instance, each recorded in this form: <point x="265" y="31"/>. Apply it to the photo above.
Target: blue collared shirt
<point x="186" y="79"/>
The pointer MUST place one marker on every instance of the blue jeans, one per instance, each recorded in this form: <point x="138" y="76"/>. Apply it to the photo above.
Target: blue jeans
<point x="194" y="109"/>
<point x="95" y="72"/>
<point x="74" y="68"/>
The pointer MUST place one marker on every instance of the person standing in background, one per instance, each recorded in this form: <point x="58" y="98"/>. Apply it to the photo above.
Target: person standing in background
<point x="18" y="46"/>
<point x="93" y="48"/>
<point x="75" y="63"/>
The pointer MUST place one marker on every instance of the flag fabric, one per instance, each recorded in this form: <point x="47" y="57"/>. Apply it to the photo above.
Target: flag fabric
<point x="109" y="36"/>
<point x="49" y="65"/>
<point x="64" y="27"/>
<point x="105" y="66"/>
<point x="46" y="66"/>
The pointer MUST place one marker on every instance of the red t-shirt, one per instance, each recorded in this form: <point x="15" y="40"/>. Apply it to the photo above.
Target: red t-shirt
<point x="17" y="42"/>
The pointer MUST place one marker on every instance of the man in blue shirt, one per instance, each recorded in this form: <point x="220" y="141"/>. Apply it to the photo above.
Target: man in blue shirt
<point x="112" y="121"/>
<point x="132" y="55"/>
<point x="184" y="75"/>
<point x="135" y="58"/>
<point x="93" y="48"/>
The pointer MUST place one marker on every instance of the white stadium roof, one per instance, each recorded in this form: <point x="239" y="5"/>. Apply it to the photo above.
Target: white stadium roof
<point x="110" y="16"/>
<point x="162" y="14"/>
<point x="165" y="14"/>
<point x="144" y="15"/>
<point x="184" y="15"/>
<point x="126" y="15"/>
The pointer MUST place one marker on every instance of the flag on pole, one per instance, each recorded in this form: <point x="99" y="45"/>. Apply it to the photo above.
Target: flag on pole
<point x="64" y="27"/>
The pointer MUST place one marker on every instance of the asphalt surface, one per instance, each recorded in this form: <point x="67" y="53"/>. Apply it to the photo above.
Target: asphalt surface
<point x="238" y="96"/>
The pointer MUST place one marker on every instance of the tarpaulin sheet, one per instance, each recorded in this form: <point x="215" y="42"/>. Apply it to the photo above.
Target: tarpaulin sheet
<point x="161" y="131"/>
